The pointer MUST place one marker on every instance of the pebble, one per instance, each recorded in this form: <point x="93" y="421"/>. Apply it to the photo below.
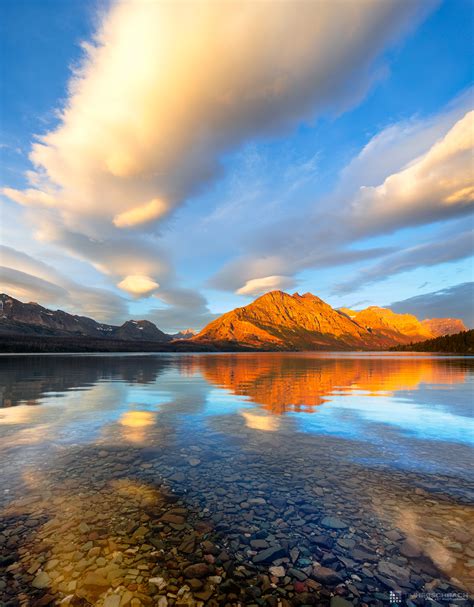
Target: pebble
<point x="42" y="580"/>
<point x="332" y="522"/>
<point x="269" y="555"/>
<point x="198" y="570"/>
<point x="159" y="582"/>
<point x="325" y="575"/>
<point x="277" y="571"/>
<point x="112" y="600"/>
<point x="409" y="549"/>
<point x="391" y="570"/>
<point x="338" y="601"/>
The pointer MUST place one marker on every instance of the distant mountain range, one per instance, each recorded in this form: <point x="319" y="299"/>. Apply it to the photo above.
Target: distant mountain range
<point x="275" y="321"/>
<point x="17" y="318"/>
<point x="280" y="321"/>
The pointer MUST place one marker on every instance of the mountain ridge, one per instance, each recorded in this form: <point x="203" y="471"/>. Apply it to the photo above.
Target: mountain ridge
<point x="278" y="320"/>
<point x="33" y="319"/>
<point x="273" y="321"/>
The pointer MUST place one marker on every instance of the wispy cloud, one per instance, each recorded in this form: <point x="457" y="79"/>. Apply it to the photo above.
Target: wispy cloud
<point x="454" y="302"/>
<point x="257" y="286"/>
<point x="28" y="279"/>
<point x="445" y="248"/>
<point x="183" y="308"/>
<point x="418" y="172"/>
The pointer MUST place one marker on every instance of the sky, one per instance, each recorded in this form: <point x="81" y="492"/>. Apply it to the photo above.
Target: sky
<point x="174" y="160"/>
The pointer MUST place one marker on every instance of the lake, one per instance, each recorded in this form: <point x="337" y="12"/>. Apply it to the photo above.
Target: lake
<point x="236" y="479"/>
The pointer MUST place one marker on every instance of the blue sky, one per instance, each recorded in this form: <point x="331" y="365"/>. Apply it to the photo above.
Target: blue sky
<point x="173" y="163"/>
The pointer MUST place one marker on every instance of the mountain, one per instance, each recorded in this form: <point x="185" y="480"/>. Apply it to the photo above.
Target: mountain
<point x="184" y="334"/>
<point x="274" y="321"/>
<point x="17" y="318"/>
<point x="279" y="321"/>
<point x="444" y="326"/>
<point x="459" y="343"/>
<point x="141" y="330"/>
<point x="398" y="328"/>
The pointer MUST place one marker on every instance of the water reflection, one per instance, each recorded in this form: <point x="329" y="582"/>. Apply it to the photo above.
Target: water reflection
<point x="353" y="395"/>
<point x="295" y="382"/>
<point x="258" y="448"/>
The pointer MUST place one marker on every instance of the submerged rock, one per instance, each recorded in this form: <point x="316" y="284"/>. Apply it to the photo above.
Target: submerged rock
<point x="42" y="580"/>
<point x="325" y="575"/>
<point x="332" y="522"/>
<point x="269" y="555"/>
<point x="409" y="549"/>
<point x="338" y="601"/>
<point x="393" y="571"/>
<point x="198" y="570"/>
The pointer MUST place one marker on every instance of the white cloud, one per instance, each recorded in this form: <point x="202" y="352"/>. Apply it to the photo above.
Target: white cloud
<point x="116" y="256"/>
<point x="257" y="286"/>
<point x="138" y="285"/>
<point x="398" y="144"/>
<point x="166" y="88"/>
<point x="436" y="185"/>
<point x="28" y="287"/>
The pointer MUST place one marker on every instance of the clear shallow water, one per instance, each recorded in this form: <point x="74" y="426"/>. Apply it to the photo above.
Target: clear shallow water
<point x="389" y="435"/>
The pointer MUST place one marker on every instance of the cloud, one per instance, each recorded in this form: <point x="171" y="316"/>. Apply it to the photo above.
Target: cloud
<point x="165" y="89"/>
<point x="398" y="144"/>
<point x="28" y="287"/>
<point x="435" y="186"/>
<point x="416" y="172"/>
<point x="257" y="286"/>
<point x="184" y="308"/>
<point x="138" y="285"/>
<point x="28" y="279"/>
<point x="293" y="255"/>
<point x="454" y="302"/>
<point x="443" y="249"/>
<point x="143" y="214"/>
<point x="118" y="257"/>
<point x="30" y="197"/>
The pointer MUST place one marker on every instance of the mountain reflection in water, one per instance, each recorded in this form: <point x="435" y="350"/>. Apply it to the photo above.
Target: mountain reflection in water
<point x="279" y="382"/>
<point x="385" y="400"/>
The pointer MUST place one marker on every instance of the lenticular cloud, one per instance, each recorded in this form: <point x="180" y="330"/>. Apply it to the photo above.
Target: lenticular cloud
<point x="166" y="88"/>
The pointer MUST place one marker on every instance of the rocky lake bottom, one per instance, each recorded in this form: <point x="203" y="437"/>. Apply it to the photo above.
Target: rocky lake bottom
<point x="236" y="480"/>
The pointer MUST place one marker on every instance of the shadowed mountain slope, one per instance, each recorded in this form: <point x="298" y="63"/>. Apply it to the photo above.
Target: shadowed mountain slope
<point x="17" y="318"/>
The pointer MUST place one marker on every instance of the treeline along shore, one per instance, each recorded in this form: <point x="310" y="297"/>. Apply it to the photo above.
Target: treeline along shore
<point x="23" y="344"/>
<point x="460" y="343"/>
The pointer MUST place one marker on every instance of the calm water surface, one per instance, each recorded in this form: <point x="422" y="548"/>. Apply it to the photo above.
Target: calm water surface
<point x="357" y="463"/>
